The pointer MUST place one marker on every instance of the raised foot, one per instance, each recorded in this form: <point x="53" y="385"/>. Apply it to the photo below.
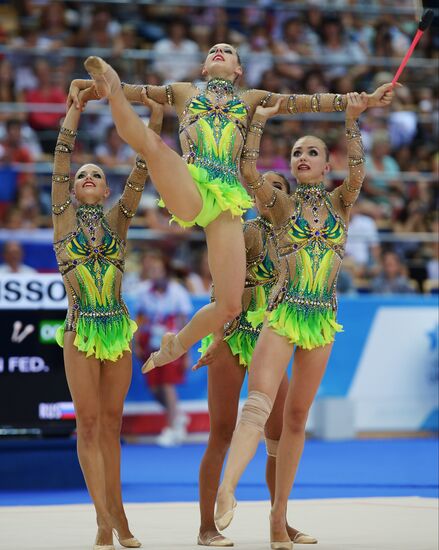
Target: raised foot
<point x="170" y="350"/>
<point x="106" y="79"/>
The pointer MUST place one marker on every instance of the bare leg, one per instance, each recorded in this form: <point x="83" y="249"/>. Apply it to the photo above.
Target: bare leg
<point x="270" y="360"/>
<point x="308" y="370"/>
<point x="115" y="381"/>
<point x="83" y="377"/>
<point x="167" y="169"/>
<point x="225" y="380"/>
<point x="273" y="431"/>
<point x="226" y="254"/>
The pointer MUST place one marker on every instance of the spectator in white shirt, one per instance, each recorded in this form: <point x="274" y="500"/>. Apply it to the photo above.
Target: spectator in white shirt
<point x="13" y="259"/>
<point x="362" y="243"/>
<point x="177" y="58"/>
<point x="163" y="305"/>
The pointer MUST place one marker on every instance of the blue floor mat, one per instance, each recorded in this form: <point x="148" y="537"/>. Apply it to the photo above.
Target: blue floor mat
<point x="359" y="468"/>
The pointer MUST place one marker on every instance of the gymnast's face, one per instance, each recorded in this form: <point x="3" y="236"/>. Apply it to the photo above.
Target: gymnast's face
<point x="277" y="181"/>
<point x="90" y="185"/>
<point x="309" y="162"/>
<point x="222" y="62"/>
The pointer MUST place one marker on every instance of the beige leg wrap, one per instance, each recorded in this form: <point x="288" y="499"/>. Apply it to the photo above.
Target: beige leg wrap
<point x="271" y="445"/>
<point x="256" y="410"/>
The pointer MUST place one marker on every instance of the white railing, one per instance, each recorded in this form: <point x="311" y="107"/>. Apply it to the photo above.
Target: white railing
<point x="47" y="167"/>
<point x="45" y="236"/>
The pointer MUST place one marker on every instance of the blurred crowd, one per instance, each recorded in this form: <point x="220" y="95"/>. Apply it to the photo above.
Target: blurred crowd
<point x="43" y="45"/>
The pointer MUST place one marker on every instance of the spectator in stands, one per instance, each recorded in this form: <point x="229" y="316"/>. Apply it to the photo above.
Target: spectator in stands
<point x="199" y="282"/>
<point x="103" y="31"/>
<point x="291" y="49"/>
<point x="403" y="119"/>
<point x="115" y="153"/>
<point x="28" y="204"/>
<point x="177" y="57"/>
<point x="8" y="92"/>
<point x="271" y="81"/>
<point x="363" y="243"/>
<point x="163" y="305"/>
<point x="388" y="40"/>
<point x="345" y="282"/>
<point x="269" y="158"/>
<point x="12" y="149"/>
<point x="314" y="82"/>
<point x="393" y="278"/>
<point x="337" y="48"/>
<point x="381" y="162"/>
<point x="53" y="28"/>
<point x="47" y="91"/>
<point x="257" y="55"/>
<point x="13" y="259"/>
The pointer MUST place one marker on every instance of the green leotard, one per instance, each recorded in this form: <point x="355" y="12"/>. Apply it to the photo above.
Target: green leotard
<point x="209" y="129"/>
<point x="213" y="129"/>
<point x="310" y="230"/>
<point x="90" y="250"/>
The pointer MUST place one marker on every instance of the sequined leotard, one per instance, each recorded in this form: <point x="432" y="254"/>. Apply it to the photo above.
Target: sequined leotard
<point x="213" y="129"/>
<point x="310" y="235"/>
<point x="90" y="251"/>
<point x="240" y="334"/>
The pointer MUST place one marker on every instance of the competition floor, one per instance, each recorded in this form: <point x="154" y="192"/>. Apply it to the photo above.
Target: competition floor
<point x="356" y="495"/>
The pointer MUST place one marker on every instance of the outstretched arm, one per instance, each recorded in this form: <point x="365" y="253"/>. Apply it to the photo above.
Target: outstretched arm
<point x="123" y="212"/>
<point x="63" y="214"/>
<point x="316" y="103"/>
<point x="349" y="190"/>
<point x="172" y="94"/>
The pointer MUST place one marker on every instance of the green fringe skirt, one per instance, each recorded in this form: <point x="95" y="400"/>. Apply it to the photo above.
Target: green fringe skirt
<point x="104" y="338"/>
<point x="305" y="328"/>
<point x="218" y="195"/>
<point x="242" y="341"/>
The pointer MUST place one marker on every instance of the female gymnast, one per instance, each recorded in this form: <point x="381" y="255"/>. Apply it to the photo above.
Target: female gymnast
<point x="310" y="230"/>
<point x="90" y="249"/>
<point x="228" y="354"/>
<point x="203" y="187"/>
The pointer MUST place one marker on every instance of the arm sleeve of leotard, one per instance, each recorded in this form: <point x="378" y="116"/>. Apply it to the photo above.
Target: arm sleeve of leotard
<point x="277" y="202"/>
<point x="350" y="188"/>
<point x="63" y="213"/>
<point x="299" y="103"/>
<point x="161" y="94"/>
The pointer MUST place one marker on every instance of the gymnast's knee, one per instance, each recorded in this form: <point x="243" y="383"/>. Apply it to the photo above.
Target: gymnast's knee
<point x="229" y="310"/>
<point x="256" y="410"/>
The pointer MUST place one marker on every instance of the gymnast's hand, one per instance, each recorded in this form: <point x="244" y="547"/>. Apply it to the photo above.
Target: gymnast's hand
<point x="382" y="96"/>
<point x="268" y="112"/>
<point x="209" y="356"/>
<point x="357" y="103"/>
<point x="156" y="108"/>
<point x="76" y="86"/>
